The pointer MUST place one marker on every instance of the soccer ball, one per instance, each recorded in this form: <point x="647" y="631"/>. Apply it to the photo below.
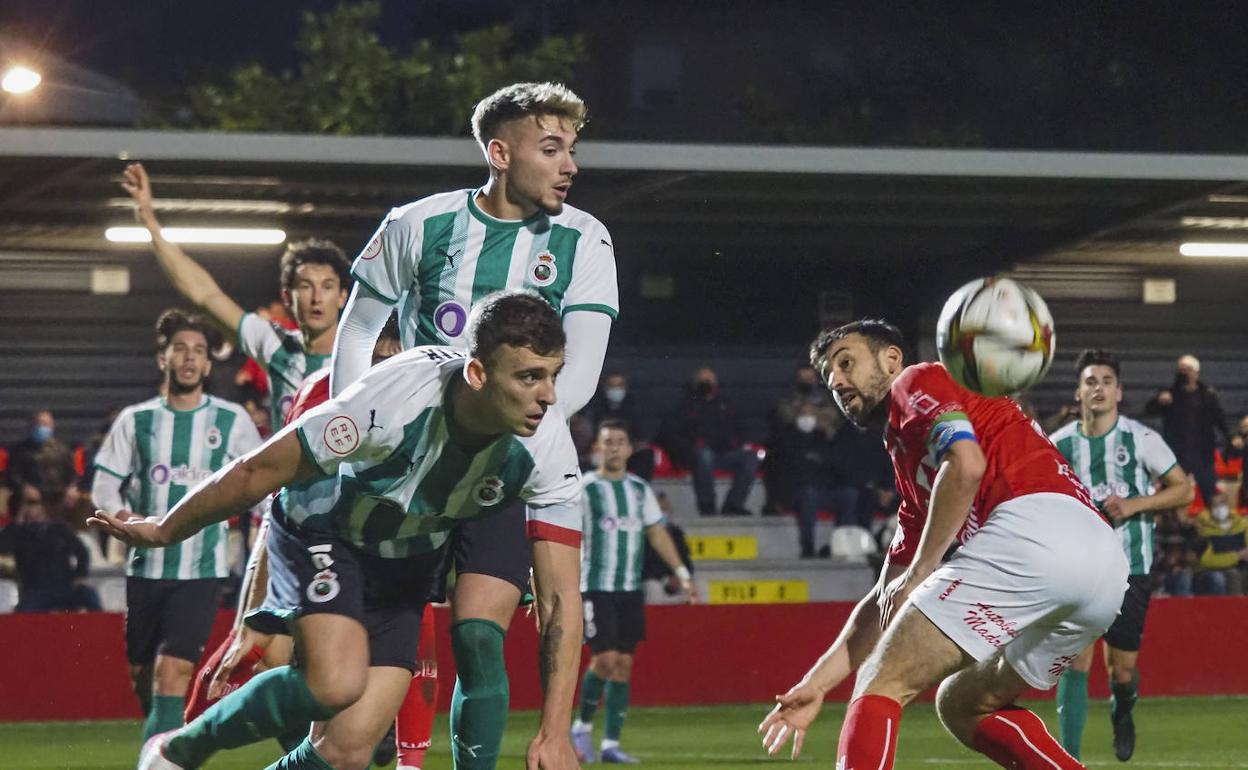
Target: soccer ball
<point x="995" y="336"/>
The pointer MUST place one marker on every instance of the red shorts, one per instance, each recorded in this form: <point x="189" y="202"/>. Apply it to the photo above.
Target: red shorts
<point x="198" y="701"/>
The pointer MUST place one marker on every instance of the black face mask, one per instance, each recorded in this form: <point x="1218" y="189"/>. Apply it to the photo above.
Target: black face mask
<point x="805" y="388"/>
<point x="703" y="388"/>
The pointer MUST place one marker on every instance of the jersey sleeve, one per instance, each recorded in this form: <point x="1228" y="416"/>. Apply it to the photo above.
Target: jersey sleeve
<point x="363" y="425"/>
<point x="1157" y="456"/>
<point x="116" y="455"/>
<point x="651" y="513"/>
<point x="905" y="545"/>
<point x="257" y="338"/>
<point x="593" y="285"/>
<point x="553" y="490"/>
<point x="387" y="264"/>
<point x="932" y="409"/>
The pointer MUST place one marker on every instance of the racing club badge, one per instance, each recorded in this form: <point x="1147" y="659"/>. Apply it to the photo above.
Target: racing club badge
<point x="542" y="270"/>
<point x="489" y="491"/>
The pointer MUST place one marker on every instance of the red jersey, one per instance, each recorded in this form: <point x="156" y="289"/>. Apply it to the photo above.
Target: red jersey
<point x="928" y="414"/>
<point x="313" y="392"/>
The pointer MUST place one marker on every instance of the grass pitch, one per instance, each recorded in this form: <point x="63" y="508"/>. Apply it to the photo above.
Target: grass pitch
<point x="1204" y="733"/>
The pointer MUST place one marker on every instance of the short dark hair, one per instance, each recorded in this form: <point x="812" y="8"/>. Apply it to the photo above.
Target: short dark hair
<point x="520" y="100"/>
<point x="878" y="333"/>
<point x="1097" y="357"/>
<point x="391" y="330"/>
<point x="615" y="423"/>
<point x="175" y="320"/>
<point x="314" y="251"/>
<point x="513" y="317"/>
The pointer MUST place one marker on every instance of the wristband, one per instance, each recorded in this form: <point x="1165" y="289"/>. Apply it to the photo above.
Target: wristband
<point x="682" y="572"/>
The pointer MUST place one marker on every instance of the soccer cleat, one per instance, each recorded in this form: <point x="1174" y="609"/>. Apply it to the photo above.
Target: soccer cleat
<point x="152" y="755"/>
<point x="617" y="756"/>
<point x="1124" y="737"/>
<point x="583" y="745"/>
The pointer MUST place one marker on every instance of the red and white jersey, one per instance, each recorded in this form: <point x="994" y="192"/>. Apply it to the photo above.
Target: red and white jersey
<point x="928" y="414"/>
<point x="313" y="392"/>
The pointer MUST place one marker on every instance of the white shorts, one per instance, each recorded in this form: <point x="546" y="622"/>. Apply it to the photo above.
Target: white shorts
<point x="1041" y="580"/>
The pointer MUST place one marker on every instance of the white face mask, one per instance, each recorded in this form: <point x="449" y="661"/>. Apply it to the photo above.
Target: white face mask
<point x="615" y="396"/>
<point x="806" y="422"/>
<point x="1221" y="512"/>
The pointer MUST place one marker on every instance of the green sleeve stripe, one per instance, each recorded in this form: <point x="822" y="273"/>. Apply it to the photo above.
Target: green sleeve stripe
<point x="605" y="309"/>
<point x="238" y="330"/>
<point x="307" y="448"/>
<point x="111" y="472"/>
<point x="947" y="416"/>
<point x="372" y="288"/>
<point x="1173" y="465"/>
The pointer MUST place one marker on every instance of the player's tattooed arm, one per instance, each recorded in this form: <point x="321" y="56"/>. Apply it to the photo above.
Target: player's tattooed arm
<point x="557" y="578"/>
<point x="552" y="636"/>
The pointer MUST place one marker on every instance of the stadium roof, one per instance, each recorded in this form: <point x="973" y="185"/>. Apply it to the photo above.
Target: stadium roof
<point x="59" y="190"/>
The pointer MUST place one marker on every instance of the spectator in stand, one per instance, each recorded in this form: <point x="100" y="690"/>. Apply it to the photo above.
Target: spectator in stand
<point x="44" y="461"/>
<point x="779" y="475"/>
<point x="52" y="562"/>
<point x="1239" y="451"/>
<point x="806" y="459"/>
<point x="1191" y="414"/>
<point x="864" y="475"/>
<point x="1176" y="548"/>
<point x="1223" y="544"/>
<point x="703" y="434"/>
<point x="613" y="401"/>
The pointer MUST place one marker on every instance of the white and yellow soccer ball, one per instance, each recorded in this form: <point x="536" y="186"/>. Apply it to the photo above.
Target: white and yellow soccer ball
<point x="995" y="336"/>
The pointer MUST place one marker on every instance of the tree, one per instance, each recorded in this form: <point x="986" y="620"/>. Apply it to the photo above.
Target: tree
<point x="346" y="81"/>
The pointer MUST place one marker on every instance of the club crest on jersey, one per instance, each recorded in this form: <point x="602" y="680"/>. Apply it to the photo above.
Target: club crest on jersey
<point x="542" y="270"/>
<point x="1122" y="457"/>
<point x="489" y="491"/>
<point x="374" y="246"/>
<point x="923" y="403"/>
<point x="341" y="435"/>
<point x="324" y="586"/>
<point x="213" y="438"/>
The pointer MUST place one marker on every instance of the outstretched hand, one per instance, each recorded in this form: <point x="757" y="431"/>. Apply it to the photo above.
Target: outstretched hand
<point x="792" y="716"/>
<point x="130" y="528"/>
<point x="135" y="182"/>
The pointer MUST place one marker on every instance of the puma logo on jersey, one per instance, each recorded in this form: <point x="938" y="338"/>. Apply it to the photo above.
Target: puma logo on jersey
<point x="450" y="258"/>
<point x="372" y="421"/>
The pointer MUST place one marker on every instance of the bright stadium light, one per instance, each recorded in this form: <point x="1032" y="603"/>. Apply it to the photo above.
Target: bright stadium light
<point x="20" y="80"/>
<point x="1214" y="249"/>
<point x="235" y="236"/>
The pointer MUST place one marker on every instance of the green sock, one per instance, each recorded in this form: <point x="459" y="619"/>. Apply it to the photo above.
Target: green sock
<point x="616" y="707"/>
<point x="164" y="715"/>
<point x="1124" y="696"/>
<point x="302" y="757"/>
<point x="273" y="703"/>
<point x="291" y="740"/>
<point x="591" y="695"/>
<point x="1072" y="709"/>
<point x="479" y="705"/>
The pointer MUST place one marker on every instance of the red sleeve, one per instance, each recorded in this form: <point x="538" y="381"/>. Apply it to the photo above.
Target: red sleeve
<point x="543" y="530"/>
<point x="924" y="393"/>
<point x="905" y="543"/>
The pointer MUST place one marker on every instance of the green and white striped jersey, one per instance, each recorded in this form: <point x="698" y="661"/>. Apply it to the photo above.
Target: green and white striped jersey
<point x="440" y="255"/>
<point x="1126" y="462"/>
<point x="280" y="351"/>
<point x="164" y="453"/>
<point x="617" y="513"/>
<point x="394" y="483"/>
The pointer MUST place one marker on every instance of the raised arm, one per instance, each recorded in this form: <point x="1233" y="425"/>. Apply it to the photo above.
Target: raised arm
<point x="362" y="321"/>
<point x="236" y="487"/>
<point x="556" y="580"/>
<point x="188" y="277"/>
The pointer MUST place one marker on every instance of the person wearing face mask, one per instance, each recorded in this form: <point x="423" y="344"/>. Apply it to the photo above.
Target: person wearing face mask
<point x="703" y="434"/>
<point x="780" y="480"/>
<point x="1192" y="417"/>
<point x="806" y="450"/>
<point x="46" y="462"/>
<point x="1223" y="544"/>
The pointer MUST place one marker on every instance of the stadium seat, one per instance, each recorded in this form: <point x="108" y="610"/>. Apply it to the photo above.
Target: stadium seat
<point x="852" y="543"/>
<point x="8" y="595"/>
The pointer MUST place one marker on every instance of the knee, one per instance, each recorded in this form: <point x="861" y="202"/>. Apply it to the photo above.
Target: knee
<point x="337" y="689"/>
<point x="953" y="714"/>
<point x="172" y="676"/>
<point x="623" y="667"/>
<point x="340" y="756"/>
<point x="478" y="647"/>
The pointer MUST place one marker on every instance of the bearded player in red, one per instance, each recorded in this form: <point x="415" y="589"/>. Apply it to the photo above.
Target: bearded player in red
<point x="1036" y="577"/>
<point x="247" y="651"/>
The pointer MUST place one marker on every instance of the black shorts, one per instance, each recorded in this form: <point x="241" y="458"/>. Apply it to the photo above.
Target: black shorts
<point x="496" y="545"/>
<point x="1128" y="628"/>
<point x="312" y="572"/>
<point x="169" y="617"/>
<point x="614" y="620"/>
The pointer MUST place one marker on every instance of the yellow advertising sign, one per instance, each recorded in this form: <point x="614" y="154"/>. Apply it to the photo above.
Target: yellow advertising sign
<point x="758" y="592"/>
<point x="702" y="547"/>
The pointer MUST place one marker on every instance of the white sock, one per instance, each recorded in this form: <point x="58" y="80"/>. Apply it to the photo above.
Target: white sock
<point x="582" y="727"/>
<point x="609" y="744"/>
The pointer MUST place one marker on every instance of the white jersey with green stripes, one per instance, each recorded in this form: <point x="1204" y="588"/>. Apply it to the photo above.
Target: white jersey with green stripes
<point x="394" y="483"/>
<point x="617" y="512"/>
<point x="164" y="453"/>
<point x="1125" y="462"/>
<point x="280" y="351"/>
<point x="438" y="256"/>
